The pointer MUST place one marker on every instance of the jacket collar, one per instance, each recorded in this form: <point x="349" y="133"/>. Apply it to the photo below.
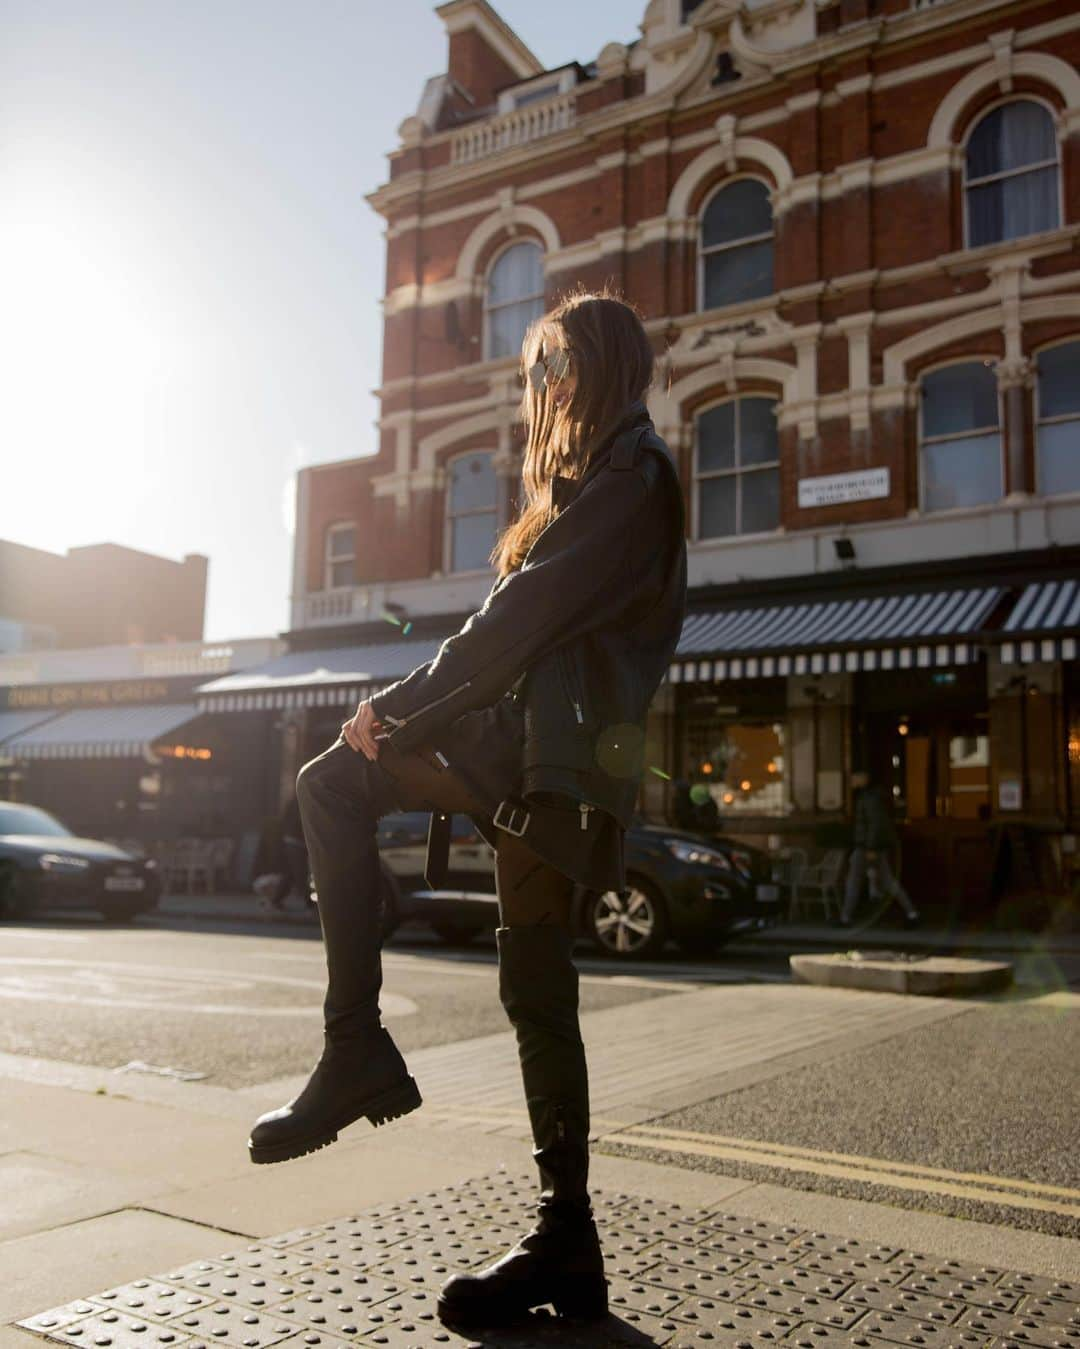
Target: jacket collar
<point x="563" y="486"/>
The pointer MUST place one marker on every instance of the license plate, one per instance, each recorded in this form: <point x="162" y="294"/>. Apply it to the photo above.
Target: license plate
<point x="123" y="882"/>
<point x="768" y="894"/>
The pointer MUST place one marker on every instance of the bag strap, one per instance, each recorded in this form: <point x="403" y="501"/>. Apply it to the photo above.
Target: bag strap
<point x="438" y="848"/>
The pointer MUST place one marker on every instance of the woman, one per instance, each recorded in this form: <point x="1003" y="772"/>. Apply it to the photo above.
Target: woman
<point x="531" y="720"/>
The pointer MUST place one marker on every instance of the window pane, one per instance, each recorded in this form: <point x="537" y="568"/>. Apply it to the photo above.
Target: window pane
<point x="517" y="272"/>
<point x="959" y="398"/>
<point x="1059" y="457"/>
<point x="1009" y="137"/>
<point x="716" y="500"/>
<point x="742" y="766"/>
<point x="1012" y="207"/>
<point x="737" y="274"/>
<point x="962" y="472"/>
<point x="342" y="542"/>
<point x="342" y="573"/>
<point x="506" y="327"/>
<point x="472" y="540"/>
<point x="716" y="438"/>
<point x="760" y="500"/>
<point x="1059" y="380"/>
<point x="757" y="432"/>
<point x="472" y="482"/>
<point x="737" y="212"/>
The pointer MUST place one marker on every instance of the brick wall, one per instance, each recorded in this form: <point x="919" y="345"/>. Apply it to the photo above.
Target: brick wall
<point x="868" y="239"/>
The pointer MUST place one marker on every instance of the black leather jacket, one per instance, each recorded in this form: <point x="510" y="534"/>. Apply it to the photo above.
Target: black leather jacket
<point x="583" y="631"/>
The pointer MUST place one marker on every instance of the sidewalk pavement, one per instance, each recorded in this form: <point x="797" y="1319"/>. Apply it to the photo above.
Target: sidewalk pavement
<point x="108" y="1181"/>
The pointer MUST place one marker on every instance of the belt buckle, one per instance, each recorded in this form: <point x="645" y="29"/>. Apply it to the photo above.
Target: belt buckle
<point x="509" y="826"/>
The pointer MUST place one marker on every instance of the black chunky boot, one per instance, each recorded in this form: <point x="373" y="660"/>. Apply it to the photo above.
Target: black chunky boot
<point x="352" y="1079"/>
<point x="361" y="1071"/>
<point x="559" y="1260"/>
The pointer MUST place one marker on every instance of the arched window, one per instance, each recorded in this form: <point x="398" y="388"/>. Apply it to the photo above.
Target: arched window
<point x="960" y="437"/>
<point x="737" y="468"/>
<point x="1011" y="174"/>
<point x="736" y="245"/>
<point x="471" y="510"/>
<point x="340" y="556"/>
<point x="1058" y="418"/>
<point x="514" y="297"/>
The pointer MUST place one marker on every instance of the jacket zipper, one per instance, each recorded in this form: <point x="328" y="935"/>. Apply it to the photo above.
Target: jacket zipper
<point x="402" y="721"/>
<point x="569" y="687"/>
<point x="584" y="807"/>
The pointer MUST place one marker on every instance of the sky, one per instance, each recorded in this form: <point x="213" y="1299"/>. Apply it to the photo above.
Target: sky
<point x="189" y="268"/>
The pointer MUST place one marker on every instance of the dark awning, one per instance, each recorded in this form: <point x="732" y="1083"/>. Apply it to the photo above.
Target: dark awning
<point x="903" y="630"/>
<point x="322" y="678"/>
<point x="99" y="732"/>
<point x="1044" y="623"/>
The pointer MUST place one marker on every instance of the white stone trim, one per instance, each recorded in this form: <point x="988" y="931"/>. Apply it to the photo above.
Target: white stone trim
<point x="511" y="216"/>
<point x="727" y="374"/>
<point x="746" y="148"/>
<point x="1051" y="70"/>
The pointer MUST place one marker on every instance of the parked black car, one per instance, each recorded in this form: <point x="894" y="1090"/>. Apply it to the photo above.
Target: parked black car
<point x="44" y="866"/>
<point x="698" y="890"/>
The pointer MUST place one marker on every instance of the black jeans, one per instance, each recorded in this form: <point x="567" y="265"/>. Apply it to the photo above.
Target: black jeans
<point x="342" y="795"/>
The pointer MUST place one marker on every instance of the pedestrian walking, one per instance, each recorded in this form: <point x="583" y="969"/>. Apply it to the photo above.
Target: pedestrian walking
<point x="531" y="720"/>
<point x="874" y="836"/>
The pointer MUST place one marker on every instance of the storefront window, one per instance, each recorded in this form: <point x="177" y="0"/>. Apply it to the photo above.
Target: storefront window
<point x="742" y="765"/>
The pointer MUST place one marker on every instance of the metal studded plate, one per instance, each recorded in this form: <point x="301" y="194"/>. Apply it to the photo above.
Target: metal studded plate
<point x="681" y="1277"/>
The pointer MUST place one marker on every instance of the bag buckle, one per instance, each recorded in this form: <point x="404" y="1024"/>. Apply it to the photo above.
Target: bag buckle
<point x="509" y="825"/>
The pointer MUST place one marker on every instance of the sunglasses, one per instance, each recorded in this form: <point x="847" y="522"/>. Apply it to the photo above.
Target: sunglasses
<point x="549" y="369"/>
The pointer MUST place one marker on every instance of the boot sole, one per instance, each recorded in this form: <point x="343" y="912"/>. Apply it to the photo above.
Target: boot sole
<point x="390" y="1105"/>
<point x="580" y="1297"/>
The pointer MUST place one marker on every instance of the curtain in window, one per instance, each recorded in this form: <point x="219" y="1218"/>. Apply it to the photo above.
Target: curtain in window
<point x="737" y="244"/>
<point x="1058" y="370"/>
<point x="961" y="437"/>
<point x="1012" y="174"/>
<point x="515" y="296"/>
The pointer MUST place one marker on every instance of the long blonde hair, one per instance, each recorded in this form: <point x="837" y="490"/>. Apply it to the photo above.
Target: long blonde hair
<point x="612" y="359"/>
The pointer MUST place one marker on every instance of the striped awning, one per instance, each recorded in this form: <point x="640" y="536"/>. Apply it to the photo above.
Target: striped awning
<point x="325" y="678"/>
<point x="16" y="722"/>
<point x="905" y="630"/>
<point x="99" y="732"/>
<point x="1044" y="623"/>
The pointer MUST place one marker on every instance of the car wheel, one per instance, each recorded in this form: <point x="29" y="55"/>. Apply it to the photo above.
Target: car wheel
<point x="454" y="934"/>
<point x="631" y="928"/>
<point x="16" y="893"/>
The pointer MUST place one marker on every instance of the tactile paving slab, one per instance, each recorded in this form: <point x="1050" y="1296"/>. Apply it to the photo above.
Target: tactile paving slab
<point x="678" y="1276"/>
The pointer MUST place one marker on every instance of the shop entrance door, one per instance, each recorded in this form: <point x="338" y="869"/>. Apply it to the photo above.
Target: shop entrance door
<point x="943" y="772"/>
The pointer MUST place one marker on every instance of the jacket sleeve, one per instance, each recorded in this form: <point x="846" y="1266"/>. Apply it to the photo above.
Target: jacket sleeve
<point x="571" y="566"/>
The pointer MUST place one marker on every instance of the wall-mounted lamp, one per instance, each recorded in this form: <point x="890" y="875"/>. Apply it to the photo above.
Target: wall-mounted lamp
<point x="845" y="551"/>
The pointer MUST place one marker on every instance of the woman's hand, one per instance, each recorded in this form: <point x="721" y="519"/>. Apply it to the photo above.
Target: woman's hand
<point x="359" y="731"/>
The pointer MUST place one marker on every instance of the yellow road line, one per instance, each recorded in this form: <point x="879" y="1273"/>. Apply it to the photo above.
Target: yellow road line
<point x="882" y="1163"/>
<point x="990" y="1193"/>
<point x="841" y="1165"/>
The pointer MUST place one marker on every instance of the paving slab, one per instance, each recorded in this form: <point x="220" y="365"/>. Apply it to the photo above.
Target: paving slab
<point x="901" y="972"/>
<point x="679" y="1275"/>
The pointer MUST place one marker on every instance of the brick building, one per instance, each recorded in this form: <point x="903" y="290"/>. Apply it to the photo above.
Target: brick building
<point x="852" y="228"/>
<point x="98" y="595"/>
